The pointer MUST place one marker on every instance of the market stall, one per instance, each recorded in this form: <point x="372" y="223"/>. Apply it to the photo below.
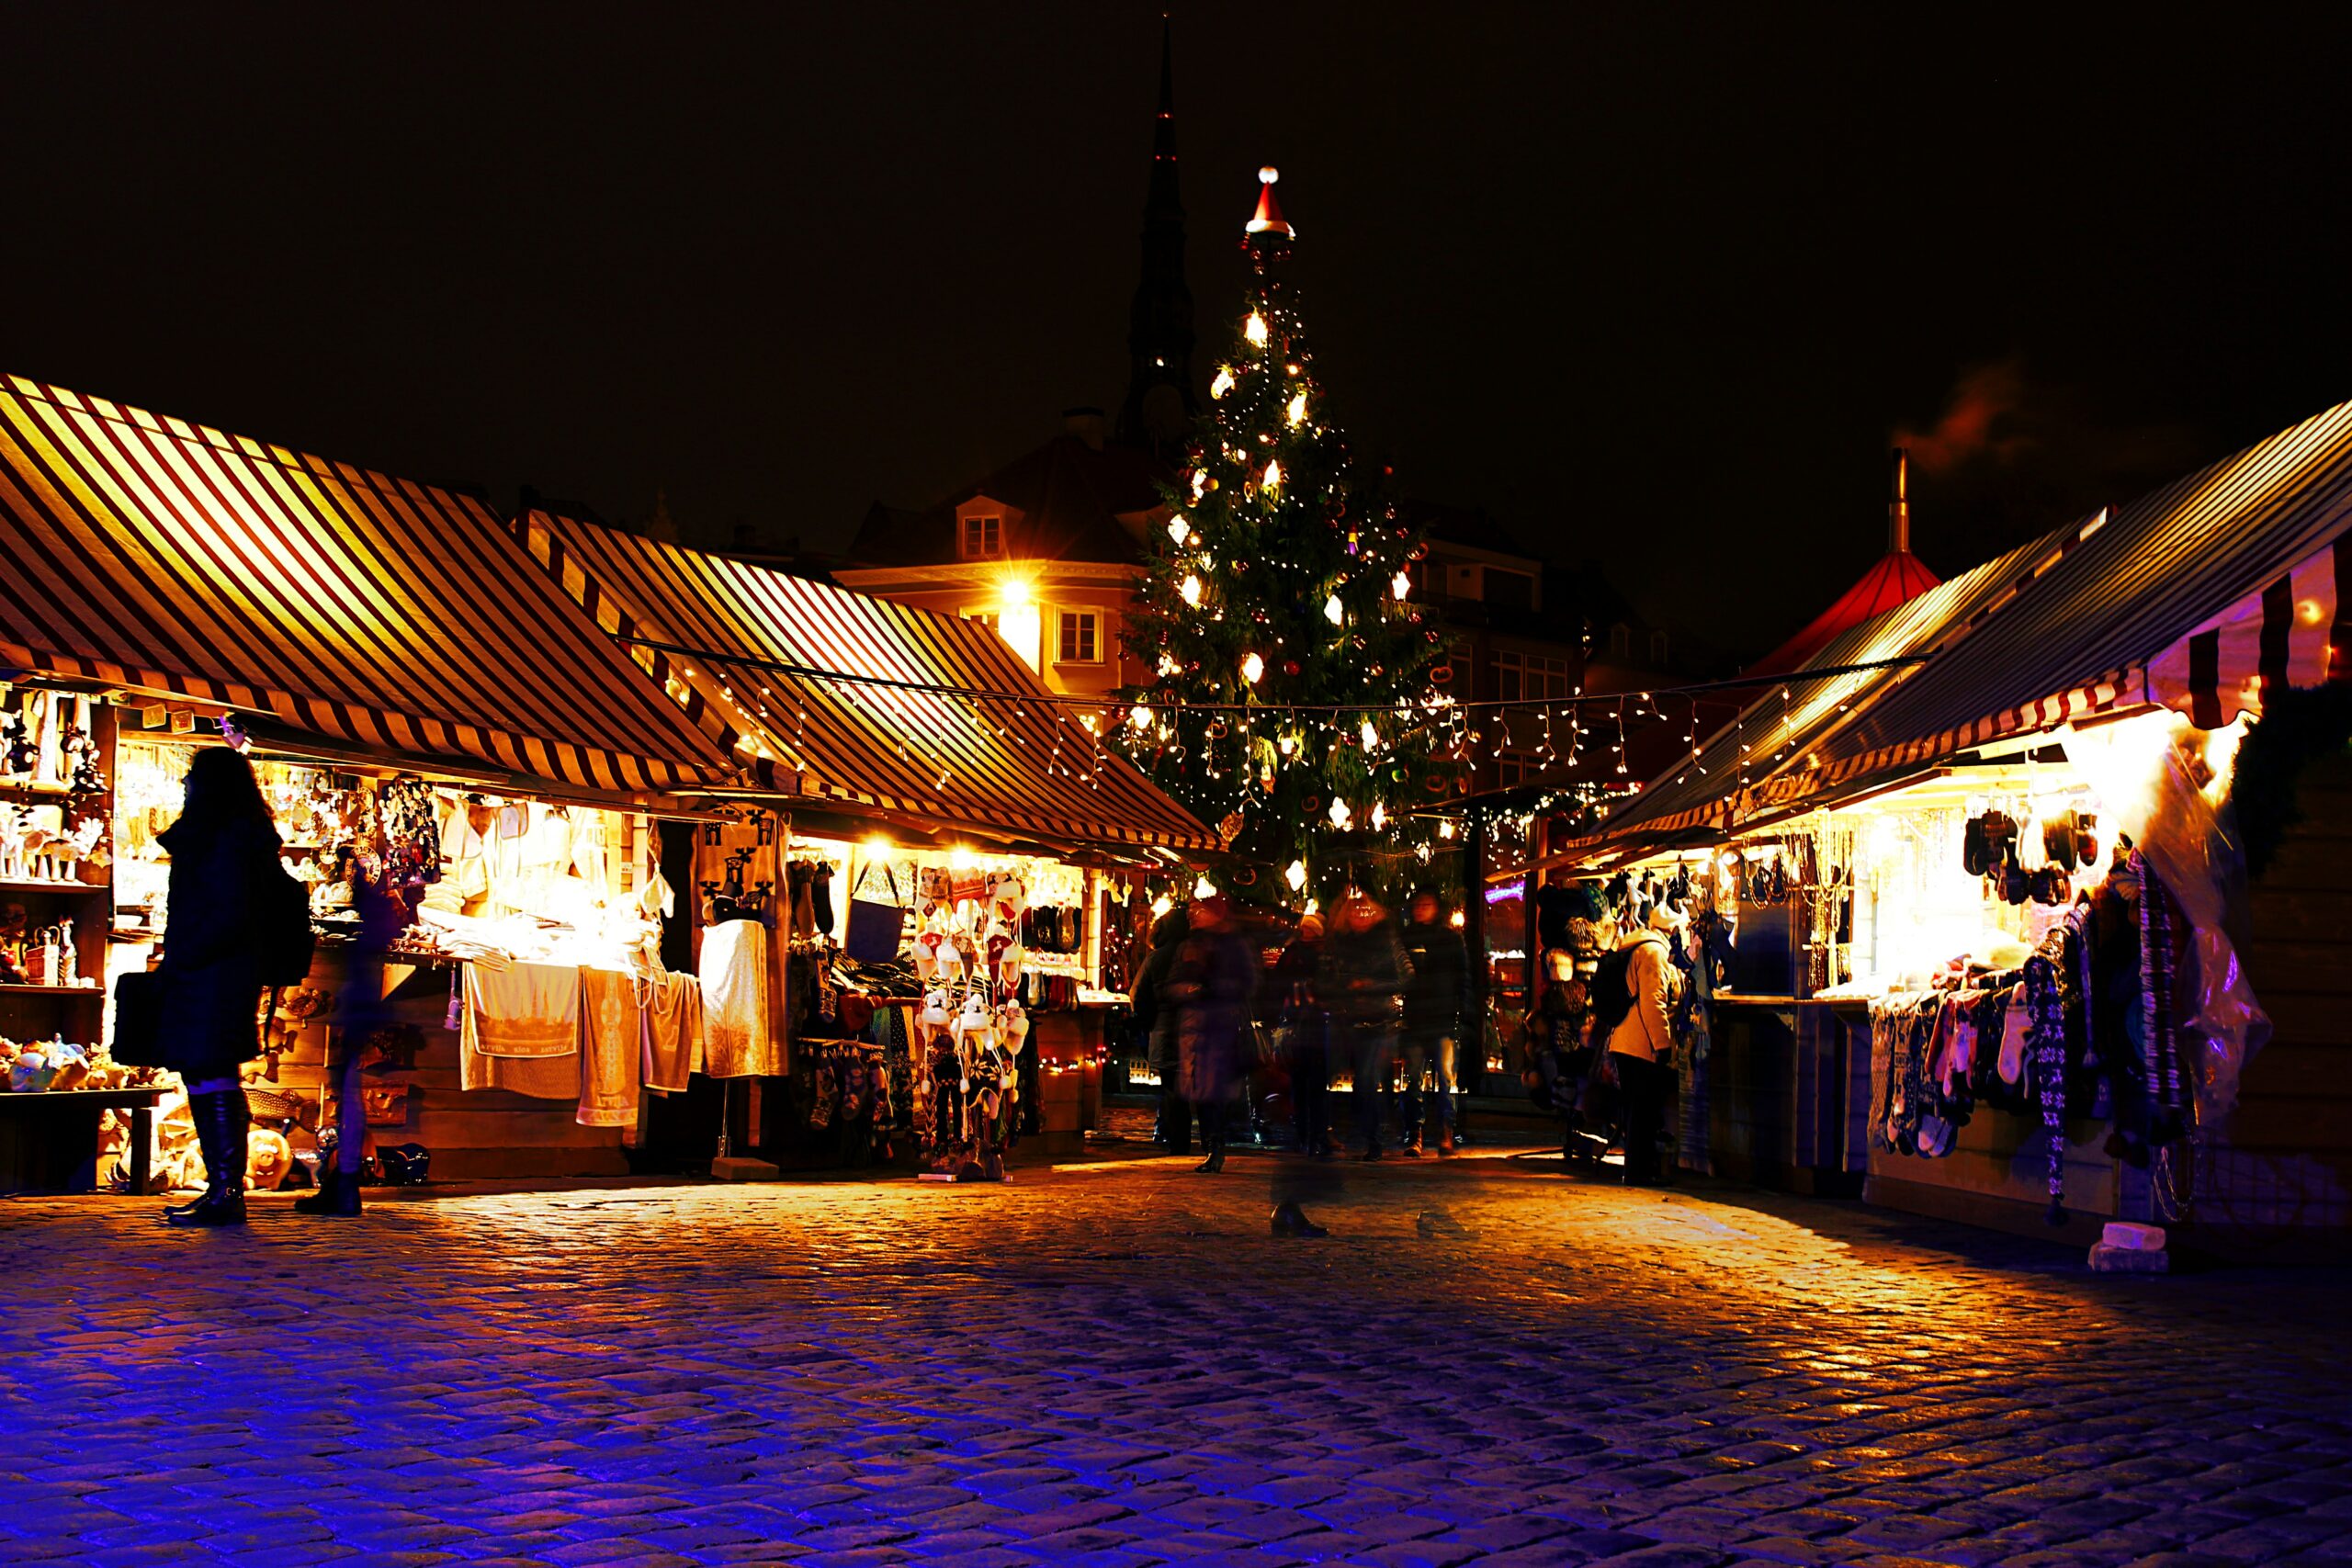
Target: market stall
<point x="1989" y="900"/>
<point x="957" y="874"/>
<point x="182" y="587"/>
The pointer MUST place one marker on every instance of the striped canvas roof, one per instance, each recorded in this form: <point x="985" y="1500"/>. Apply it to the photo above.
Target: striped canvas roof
<point x="993" y="762"/>
<point x="173" y="559"/>
<point x="2096" y="629"/>
<point x="1767" y="756"/>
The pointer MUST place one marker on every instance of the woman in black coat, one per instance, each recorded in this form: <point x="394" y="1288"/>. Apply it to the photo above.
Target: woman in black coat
<point x="222" y="844"/>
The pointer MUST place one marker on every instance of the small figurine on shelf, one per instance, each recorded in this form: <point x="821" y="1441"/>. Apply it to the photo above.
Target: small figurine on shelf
<point x="19" y="745"/>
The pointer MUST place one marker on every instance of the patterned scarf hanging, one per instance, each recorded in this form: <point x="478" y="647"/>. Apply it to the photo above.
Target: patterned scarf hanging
<point x="2162" y="1040"/>
<point x="2045" y="1044"/>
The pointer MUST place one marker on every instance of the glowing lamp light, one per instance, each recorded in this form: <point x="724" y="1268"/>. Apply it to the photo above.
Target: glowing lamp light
<point x="1177" y="526"/>
<point x="1224" y="382"/>
<point x="1285" y="745"/>
<point x="877" y="845"/>
<point x="1340" y="815"/>
<point x="1200" y="482"/>
<point x="1161" y="904"/>
<point x="1295" y="875"/>
<point x="1251" y="668"/>
<point x="1018" y="620"/>
<point x="1445" y="829"/>
<point x="1140" y="718"/>
<point x="1370" y="738"/>
<point x="1273" y="473"/>
<point x="1297" y="409"/>
<point x="1254" y="329"/>
<point x="1313" y="905"/>
<point x="959" y="859"/>
<point x="1168" y="665"/>
<point x="1190" y="590"/>
<point x="1379" y="817"/>
<point x="1459" y="921"/>
<point x="1401" y="585"/>
<point x="1203" y="888"/>
<point x="1333" y="611"/>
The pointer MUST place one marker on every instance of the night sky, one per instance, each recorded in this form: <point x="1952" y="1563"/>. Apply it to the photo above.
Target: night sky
<point x="1656" y="286"/>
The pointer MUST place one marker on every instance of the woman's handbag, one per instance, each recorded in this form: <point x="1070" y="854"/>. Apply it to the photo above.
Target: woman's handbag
<point x="873" y="926"/>
<point x="139" y="1018"/>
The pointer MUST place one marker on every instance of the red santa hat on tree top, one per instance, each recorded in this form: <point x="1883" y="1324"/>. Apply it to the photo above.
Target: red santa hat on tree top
<point x="1270" y="219"/>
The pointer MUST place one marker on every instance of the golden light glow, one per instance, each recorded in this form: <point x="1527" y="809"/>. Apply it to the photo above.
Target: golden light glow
<point x="1445" y="829"/>
<point x="877" y="846"/>
<point x="1298" y="410"/>
<point x="1379" y="817"/>
<point x="1340" y="815"/>
<point x="1139" y="716"/>
<point x="1273" y="474"/>
<point x="959" y="859"/>
<point x="1018" y="620"/>
<point x="1254" y="329"/>
<point x="1161" y="904"/>
<point x="1168" y="665"/>
<point x="1459" y="919"/>
<point x="1401" y="585"/>
<point x="1224" y="382"/>
<point x="1295" y="875"/>
<point x="1370" y="738"/>
<point x="1177" y="526"/>
<point x="2307" y="611"/>
<point x="1190" y="590"/>
<point x="1333" y="611"/>
<point x="1252" y="667"/>
<point x="1200" y="482"/>
<point x="1313" y="905"/>
<point x="1203" y="888"/>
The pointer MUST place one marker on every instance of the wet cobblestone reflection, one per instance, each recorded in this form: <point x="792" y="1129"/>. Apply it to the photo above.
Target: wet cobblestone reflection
<point x="1116" y="1365"/>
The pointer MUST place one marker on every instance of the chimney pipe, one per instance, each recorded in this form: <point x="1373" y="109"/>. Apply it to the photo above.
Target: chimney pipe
<point x="1899" y="505"/>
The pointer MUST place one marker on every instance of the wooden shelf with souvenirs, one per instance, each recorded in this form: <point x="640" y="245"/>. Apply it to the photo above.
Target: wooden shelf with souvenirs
<point x="56" y="861"/>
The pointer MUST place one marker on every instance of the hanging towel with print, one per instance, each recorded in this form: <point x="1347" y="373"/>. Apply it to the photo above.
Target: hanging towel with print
<point x="531" y="1009"/>
<point x="738" y="1024"/>
<point x="610" y="1028"/>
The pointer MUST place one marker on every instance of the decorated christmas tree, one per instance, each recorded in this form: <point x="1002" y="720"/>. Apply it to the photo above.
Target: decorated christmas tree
<point x="1299" y="702"/>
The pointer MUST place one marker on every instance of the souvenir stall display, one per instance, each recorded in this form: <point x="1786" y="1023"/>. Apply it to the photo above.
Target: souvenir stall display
<point x="946" y="1004"/>
<point x="526" y="1011"/>
<point x="2008" y="980"/>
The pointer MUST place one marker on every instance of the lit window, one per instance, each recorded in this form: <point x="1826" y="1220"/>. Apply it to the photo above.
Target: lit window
<point x="1080" y="639"/>
<point x="983" y="537"/>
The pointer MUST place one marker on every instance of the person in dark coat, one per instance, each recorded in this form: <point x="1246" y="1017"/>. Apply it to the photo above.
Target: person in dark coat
<point x="1305" y="1039"/>
<point x="221" y="846"/>
<point x="1155" y="1018"/>
<point x="1362" y="982"/>
<point x="1437" y="1003"/>
<point x="1213" y="984"/>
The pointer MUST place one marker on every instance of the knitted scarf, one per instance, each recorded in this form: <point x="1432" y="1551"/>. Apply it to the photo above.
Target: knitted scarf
<point x="2162" y="1041"/>
<point x="2045" y="1043"/>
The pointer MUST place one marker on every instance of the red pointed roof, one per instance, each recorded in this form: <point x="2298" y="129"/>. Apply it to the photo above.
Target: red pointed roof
<point x="1898" y="579"/>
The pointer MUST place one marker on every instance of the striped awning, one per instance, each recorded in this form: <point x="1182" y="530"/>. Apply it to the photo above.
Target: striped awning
<point x="2189" y="597"/>
<point x="169" y="559"/>
<point x="892" y="741"/>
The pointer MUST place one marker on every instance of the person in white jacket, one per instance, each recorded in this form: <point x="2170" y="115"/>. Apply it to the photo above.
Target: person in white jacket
<point x="1642" y="1045"/>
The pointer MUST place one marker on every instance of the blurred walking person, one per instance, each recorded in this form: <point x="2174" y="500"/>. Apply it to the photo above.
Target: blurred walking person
<point x="1362" y="983"/>
<point x="1305" y="1039"/>
<point x="1641" y="1038"/>
<point x="1436" y="1001"/>
<point x="1211" y="983"/>
<point x="224" y="843"/>
<point x="1155" y="1019"/>
<point x="361" y="1013"/>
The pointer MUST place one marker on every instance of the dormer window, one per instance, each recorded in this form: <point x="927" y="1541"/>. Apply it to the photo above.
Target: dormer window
<point x="984" y="536"/>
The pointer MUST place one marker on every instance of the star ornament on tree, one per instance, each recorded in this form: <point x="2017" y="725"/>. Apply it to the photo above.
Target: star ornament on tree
<point x="1287" y="564"/>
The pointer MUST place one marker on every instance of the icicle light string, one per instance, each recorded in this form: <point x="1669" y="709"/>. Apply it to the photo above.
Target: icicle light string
<point x="1384" y="708"/>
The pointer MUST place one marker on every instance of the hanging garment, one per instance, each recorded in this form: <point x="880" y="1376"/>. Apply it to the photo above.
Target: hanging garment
<point x="738" y="1024"/>
<point x="610" y="1043"/>
<point x="531" y="1009"/>
<point x="669" y="1022"/>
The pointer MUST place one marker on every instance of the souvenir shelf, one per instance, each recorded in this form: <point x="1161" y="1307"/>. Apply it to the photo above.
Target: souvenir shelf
<point x="31" y="904"/>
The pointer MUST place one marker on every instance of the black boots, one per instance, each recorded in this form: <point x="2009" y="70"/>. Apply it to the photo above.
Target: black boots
<point x="1290" y="1220"/>
<point x="338" y="1193"/>
<point x="1215" y="1163"/>
<point x="221" y="1120"/>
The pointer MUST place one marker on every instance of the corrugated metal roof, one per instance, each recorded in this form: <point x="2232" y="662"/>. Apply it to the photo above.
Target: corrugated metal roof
<point x="2159" y="567"/>
<point x="164" y="557"/>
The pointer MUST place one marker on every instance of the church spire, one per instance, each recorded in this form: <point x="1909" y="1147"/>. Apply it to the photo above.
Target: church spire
<point x="1160" y="402"/>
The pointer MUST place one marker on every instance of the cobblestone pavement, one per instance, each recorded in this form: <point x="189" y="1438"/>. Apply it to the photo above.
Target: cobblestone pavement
<point x="1115" y="1365"/>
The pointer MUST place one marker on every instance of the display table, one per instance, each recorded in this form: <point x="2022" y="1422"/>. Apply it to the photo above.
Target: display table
<point x="48" y="1142"/>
